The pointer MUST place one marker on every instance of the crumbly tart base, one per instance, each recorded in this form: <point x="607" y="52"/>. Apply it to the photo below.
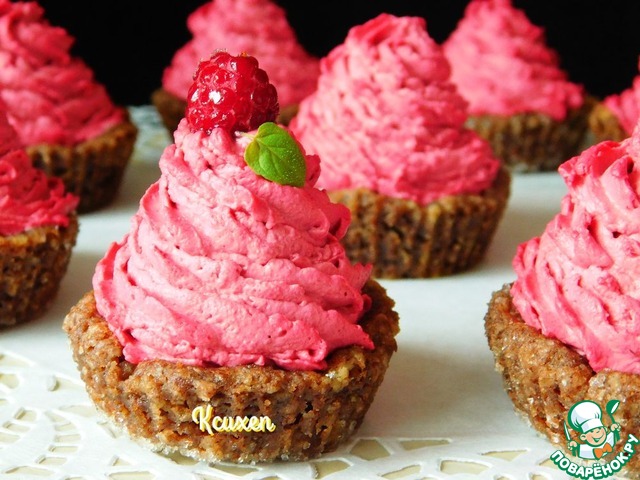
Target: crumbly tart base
<point x="545" y="378"/>
<point x="33" y="264"/>
<point x="403" y="239"/>
<point x="531" y="142"/>
<point x="172" y="109"/>
<point x="93" y="169"/>
<point x="604" y="125"/>
<point x="314" y="412"/>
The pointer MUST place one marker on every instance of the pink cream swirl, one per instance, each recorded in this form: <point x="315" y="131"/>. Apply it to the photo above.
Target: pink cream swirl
<point x="386" y="116"/>
<point x="503" y="66"/>
<point x="52" y="98"/>
<point x="28" y="198"/>
<point x="223" y="267"/>
<point x="578" y="281"/>
<point x="256" y="27"/>
<point x="626" y="105"/>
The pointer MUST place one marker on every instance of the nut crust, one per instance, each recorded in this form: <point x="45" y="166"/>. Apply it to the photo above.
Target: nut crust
<point x="92" y="170"/>
<point x="403" y="239"/>
<point x="33" y="264"/>
<point x="545" y="378"/>
<point x="532" y="142"/>
<point x="314" y="412"/>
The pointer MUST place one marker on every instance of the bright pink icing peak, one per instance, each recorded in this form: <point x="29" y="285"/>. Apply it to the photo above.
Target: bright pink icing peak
<point x="503" y="65"/>
<point x="52" y="98"/>
<point x="578" y="281"/>
<point x="386" y="116"/>
<point x="223" y="267"/>
<point x="626" y="105"/>
<point x="256" y="27"/>
<point x="28" y="198"/>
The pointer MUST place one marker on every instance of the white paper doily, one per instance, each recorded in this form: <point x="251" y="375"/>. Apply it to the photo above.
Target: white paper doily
<point x="441" y="412"/>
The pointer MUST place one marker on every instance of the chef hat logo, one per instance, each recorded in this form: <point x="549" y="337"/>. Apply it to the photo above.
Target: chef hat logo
<point x="585" y="416"/>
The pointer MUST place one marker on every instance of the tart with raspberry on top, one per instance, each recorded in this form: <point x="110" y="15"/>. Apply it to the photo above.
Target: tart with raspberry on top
<point x="228" y="324"/>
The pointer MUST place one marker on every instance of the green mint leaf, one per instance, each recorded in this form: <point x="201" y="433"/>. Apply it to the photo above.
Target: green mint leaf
<point x="276" y="156"/>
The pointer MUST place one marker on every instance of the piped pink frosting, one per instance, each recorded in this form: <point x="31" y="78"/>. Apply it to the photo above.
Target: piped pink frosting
<point x="503" y="65"/>
<point x="51" y="97"/>
<point x="626" y="105"/>
<point x="256" y="27"/>
<point x="386" y="116"/>
<point x="578" y="281"/>
<point x="223" y="267"/>
<point x="28" y="198"/>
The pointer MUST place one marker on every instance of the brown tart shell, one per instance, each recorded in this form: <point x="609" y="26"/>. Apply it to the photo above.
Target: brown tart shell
<point x="314" y="411"/>
<point x="544" y="378"/>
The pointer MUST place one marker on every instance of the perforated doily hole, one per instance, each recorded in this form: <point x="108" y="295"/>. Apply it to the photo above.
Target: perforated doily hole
<point x="46" y="461"/>
<point x="238" y="471"/>
<point x="422" y="443"/>
<point x="202" y="476"/>
<point x="131" y="476"/>
<point x="20" y="471"/>
<point x="369" y="449"/>
<point x="26" y="415"/>
<point x="9" y="380"/>
<point x="328" y="467"/>
<point x="452" y="467"/>
<point x="545" y="463"/>
<point x="8" y="438"/>
<point x="56" y="383"/>
<point x="15" y="427"/>
<point x="508" y="455"/>
<point x="82" y="410"/>
<point x="12" y="361"/>
<point x="63" y="449"/>
<point x="180" y="459"/>
<point x="403" y="473"/>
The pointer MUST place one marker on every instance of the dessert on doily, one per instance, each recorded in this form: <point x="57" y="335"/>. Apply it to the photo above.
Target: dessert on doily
<point x="426" y="194"/>
<point x="566" y="330"/>
<point x="257" y="27"/>
<point x="519" y="97"/>
<point x="64" y="117"/>
<point x="38" y="230"/>
<point x="228" y="324"/>
<point x="616" y="115"/>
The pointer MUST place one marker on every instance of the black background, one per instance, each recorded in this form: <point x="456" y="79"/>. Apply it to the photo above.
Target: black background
<point x="129" y="43"/>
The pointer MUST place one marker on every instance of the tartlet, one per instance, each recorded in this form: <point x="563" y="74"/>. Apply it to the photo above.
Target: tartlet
<point x="231" y="296"/>
<point x="426" y="194"/>
<point x="63" y="116"/>
<point x="565" y="330"/>
<point x="519" y="97"/>
<point x="38" y="230"/>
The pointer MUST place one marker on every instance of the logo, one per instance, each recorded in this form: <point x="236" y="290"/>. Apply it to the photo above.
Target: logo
<point x="206" y="420"/>
<point x="594" y="441"/>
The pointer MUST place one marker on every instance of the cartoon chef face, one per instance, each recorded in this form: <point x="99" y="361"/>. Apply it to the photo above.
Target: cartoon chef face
<point x="595" y="437"/>
<point x="586" y="418"/>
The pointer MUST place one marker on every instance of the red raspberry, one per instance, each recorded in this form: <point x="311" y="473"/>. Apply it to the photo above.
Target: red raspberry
<point x="230" y="92"/>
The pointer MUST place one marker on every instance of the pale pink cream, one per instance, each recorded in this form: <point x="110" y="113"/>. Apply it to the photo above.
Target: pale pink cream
<point x="223" y="267"/>
<point x="256" y="27"/>
<point x="578" y="281"/>
<point x="386" y="116"/>
<point x="503" y="65"/>
<point x="51" y="97"/>
<point x="626" y="105"/>
<point x="28" y="198"/>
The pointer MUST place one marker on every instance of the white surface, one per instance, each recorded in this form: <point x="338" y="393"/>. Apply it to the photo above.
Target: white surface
<point x="441" y="387"/>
